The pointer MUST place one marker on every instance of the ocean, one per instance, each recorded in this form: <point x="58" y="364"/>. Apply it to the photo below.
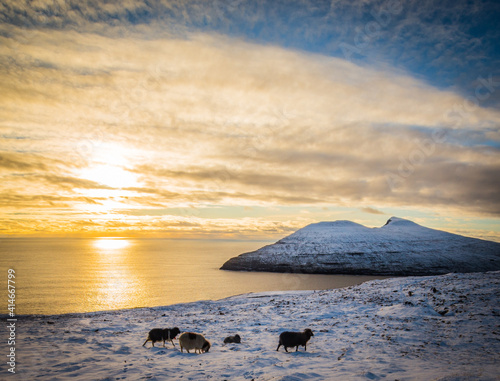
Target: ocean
<point x="71" y="275"/>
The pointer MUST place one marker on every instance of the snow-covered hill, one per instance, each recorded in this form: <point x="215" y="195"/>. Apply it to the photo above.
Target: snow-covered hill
<point x="437" y="328"/>
<point x="400" y="247"/>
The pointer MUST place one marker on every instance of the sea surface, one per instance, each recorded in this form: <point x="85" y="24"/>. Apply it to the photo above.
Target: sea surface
<point x="68" y="275"/>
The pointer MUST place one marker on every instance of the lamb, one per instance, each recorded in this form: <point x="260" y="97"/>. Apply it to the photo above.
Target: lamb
<point x="158" y="334"/>
<point x="294" y="339"/>
<point x="232" y="339"/>
<point x="196" y="341"/>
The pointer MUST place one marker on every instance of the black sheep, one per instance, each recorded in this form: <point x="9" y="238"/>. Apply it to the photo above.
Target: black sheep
<point x="294" y="339"/>
<point x="158" y="334"/>
<point x="232" y="339"/>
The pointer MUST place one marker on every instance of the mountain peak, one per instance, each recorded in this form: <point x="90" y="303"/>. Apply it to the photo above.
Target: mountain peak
<point x="325" y="230"/>
<point x="397" y="221"/>
<point x="333" y="224"/>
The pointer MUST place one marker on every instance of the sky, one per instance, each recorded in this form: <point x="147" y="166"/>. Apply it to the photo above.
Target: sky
<point x="247" y="119"/>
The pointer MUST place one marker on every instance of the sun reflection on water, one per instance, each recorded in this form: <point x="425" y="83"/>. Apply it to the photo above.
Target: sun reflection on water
<point x="116" y="282"/>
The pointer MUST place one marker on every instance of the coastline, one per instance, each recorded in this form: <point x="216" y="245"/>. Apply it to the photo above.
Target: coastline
<point x="403" y="328"/>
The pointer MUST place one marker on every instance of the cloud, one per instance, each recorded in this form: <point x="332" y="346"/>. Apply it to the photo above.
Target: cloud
<point x="39" y="201"/>
<point x="372" y="211"/>
<point x="466" y="186"/>
<point x="14" y="162"/>
<point x="451" y="43"/>
<point x="206" y="119"/>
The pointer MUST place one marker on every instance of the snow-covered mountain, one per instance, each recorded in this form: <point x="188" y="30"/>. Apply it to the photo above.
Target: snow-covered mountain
<point x="400" y="247"/>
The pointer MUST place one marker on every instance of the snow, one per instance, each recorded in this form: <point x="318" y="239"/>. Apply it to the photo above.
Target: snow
<point x="416" y="328"/>
<point x="400" y="247"/>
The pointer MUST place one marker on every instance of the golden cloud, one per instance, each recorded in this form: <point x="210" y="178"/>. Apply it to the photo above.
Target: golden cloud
<point x="208" y="119"/>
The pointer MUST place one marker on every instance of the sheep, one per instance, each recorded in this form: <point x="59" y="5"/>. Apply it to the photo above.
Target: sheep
<point x="232" y="339"/>
<point x="196" y="341"/>
<point x="294" y="339"/>
<point x="158" y="334"/>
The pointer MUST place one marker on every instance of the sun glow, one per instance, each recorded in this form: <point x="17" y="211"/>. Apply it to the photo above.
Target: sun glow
<point x="110" y="175"/>
<point x="111" y="243"/>
<point x="109" y="167"/>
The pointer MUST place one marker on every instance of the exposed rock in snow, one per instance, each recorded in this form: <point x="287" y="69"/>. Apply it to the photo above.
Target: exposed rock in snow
<point x="400" y="247"/>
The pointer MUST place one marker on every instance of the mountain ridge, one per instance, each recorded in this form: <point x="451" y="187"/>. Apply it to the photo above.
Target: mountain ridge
<point x="400" y="247"/>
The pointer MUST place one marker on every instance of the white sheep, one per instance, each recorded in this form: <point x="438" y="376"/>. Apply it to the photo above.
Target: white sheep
<point x="196" y="341"/>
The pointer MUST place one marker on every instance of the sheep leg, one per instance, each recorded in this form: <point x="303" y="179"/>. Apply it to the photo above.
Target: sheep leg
<point x="145" y="342"/>
<point x="297" y="348"/>
<point x="172" y="343"/>
<point x="286" y="350"/>
<point x="279" y="345"/>
<point x="305" y="347"/>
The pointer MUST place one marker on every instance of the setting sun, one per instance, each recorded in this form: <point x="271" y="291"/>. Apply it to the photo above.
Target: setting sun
<point x="110" y="175"/>
<point x="108" y="166"/>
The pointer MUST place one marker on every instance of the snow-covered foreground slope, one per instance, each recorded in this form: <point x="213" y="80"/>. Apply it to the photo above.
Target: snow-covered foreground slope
<point x="420" y="328"/>
<point x="401" y="247"/>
